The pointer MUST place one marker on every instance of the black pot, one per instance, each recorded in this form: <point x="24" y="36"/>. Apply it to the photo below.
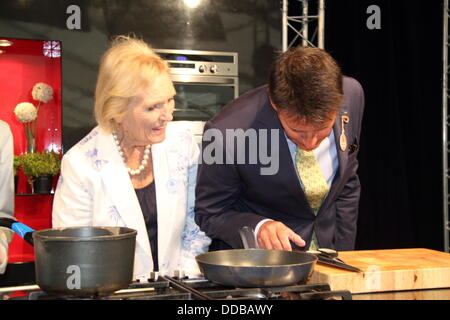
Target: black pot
<point x="43" y="184"/>
<point x="84" y="261"/>
<point x="80" y="261"/>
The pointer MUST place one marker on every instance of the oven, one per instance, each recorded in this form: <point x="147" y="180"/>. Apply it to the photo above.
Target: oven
<point x="205" y="81"/>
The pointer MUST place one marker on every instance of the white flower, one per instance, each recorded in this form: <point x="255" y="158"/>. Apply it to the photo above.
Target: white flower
<point x="25" y="112"/>
<point x="42" y="92"/>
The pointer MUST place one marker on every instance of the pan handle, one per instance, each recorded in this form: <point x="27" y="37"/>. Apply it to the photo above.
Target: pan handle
<point x="248" y="238"/>
<point x="25" y="232"/>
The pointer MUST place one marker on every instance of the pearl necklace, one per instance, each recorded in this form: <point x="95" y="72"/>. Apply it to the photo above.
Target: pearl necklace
<point x="144" y="161"/>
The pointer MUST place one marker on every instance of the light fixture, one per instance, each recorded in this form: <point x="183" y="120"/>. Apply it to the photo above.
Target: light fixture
<point x="192" y="3"/>
<point x="5" y="43"/>
<point x="2" y="51"/>
<point x="52" y="49"/>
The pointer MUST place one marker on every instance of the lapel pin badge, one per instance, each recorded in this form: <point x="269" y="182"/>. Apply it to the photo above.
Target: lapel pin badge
<point x="343" y="138"/>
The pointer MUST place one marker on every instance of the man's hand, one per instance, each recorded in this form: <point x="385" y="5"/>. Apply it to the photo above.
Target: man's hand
<point x="276" y="235"/>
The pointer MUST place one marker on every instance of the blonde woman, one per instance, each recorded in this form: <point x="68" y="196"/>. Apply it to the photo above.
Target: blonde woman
<point x="135" y="169"/>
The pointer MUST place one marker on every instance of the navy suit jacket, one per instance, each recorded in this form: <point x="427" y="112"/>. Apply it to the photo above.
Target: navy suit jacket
<point x="230" y="196"/>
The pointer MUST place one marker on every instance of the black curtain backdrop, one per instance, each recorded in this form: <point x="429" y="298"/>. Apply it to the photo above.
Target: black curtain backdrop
<point x="400" y="68"/>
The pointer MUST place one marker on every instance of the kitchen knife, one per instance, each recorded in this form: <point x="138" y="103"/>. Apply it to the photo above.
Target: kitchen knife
<point x="337" y="264"/>
<point x="329" y="257"/>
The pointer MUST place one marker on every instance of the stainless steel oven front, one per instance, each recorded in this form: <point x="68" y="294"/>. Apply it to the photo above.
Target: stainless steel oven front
<point x="205" y="81"/>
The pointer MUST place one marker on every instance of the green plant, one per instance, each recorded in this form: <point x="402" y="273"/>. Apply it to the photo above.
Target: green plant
<point x="40" y="164"/>
<point x="16" y="164"/>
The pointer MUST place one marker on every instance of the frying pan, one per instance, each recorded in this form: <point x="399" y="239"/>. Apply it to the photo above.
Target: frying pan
<point x="80" y="261"/>
<point x="256" y="267"/>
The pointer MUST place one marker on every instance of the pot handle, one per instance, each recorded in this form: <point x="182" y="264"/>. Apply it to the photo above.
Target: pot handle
<point x="248" y="238"/>
<point x="25" y="232"/>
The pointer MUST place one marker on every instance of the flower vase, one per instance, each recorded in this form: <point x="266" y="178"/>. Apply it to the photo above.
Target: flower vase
<point x="30" y="138"/>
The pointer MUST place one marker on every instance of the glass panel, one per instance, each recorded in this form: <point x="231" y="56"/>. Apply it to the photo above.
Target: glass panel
<point x="200" y="101"/>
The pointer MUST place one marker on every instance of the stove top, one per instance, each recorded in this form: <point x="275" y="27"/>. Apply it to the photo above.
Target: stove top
<point x="168" y="288"/>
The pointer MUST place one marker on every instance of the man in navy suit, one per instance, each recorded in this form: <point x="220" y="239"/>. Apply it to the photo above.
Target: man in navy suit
<point x="308" y="107"/>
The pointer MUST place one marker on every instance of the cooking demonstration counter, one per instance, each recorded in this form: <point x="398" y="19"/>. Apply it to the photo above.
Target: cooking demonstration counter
<point x="399" y="274"/>
<point x="426" y="294"/>
<point x="389" y="270"/>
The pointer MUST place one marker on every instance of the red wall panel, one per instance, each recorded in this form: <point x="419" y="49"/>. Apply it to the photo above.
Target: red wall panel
<point x="22" y="66"/>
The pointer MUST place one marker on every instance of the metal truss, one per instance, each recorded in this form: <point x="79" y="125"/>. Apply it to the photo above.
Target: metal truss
<point x="300" y="26"/>
<point x="445" y="125"/>
<point x="307" y="27"/>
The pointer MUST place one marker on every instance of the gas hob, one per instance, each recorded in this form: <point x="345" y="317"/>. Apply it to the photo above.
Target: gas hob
<point x="170" y="288"/>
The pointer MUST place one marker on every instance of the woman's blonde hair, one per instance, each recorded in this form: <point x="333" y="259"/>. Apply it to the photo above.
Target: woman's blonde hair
<point x="126" y="69"/>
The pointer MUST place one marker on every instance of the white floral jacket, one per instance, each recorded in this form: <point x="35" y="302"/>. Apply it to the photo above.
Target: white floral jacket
<point x="94" y="189"/>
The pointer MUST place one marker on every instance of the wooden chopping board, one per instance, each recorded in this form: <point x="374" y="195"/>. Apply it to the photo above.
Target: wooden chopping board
<point x="387" y="270"/>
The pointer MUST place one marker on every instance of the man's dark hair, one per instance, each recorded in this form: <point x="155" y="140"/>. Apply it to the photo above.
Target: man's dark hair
<point x="306" y="82"/>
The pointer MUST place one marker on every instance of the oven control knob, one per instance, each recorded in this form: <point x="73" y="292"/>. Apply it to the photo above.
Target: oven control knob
<point x="214" y="69"/>
<point x="202" y="68"/>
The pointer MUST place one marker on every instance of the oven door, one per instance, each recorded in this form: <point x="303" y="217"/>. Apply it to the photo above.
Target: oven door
<point x="199" y="98"/>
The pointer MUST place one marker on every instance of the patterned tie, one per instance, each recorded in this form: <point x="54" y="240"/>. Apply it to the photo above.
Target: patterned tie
<point x="314" y="183"/>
